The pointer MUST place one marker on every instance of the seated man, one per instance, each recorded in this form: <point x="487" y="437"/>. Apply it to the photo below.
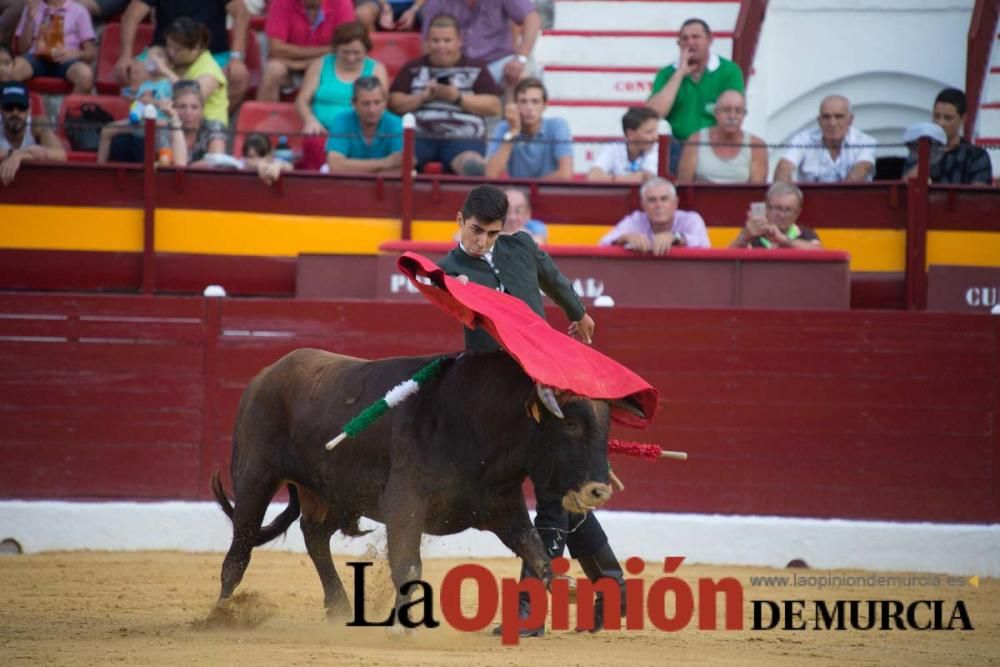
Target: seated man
<point x="487" y="35"/>
<point x="777" y="227"/>
<point x="69" y="55"/>
<point x="838" y="152"/>
<point x="451" y="96"/>
<point x="388" y="14"/>
<point x="525" y="144"/>
<point x="961" y="162"/>
<point x="659" y="225"/>
<point x="19" y="141"/>
<point x="685" y="92"/>
<point x="369" y="138"/>
<point x="298" y="32"/>
<point x="637" y="158"/>
<point x="519" y="216"/>
<point x="724" y="153"/>
<point x="912" y="136"/>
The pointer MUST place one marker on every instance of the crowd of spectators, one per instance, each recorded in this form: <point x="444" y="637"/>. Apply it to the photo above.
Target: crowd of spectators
<point x="477" y="98"/>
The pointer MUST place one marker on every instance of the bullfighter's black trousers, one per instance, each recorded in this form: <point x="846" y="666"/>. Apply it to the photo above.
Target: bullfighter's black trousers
<point x="582" y="533"/>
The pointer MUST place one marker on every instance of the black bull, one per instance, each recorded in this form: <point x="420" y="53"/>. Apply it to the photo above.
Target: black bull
<point x="452" y="457"/>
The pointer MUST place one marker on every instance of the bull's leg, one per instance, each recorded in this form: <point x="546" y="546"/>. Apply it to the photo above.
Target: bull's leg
<point x="248" y="515"/>
<point x="317" y="528"/>
<point x="404" y="522"/>
<point x="511" y="523"/>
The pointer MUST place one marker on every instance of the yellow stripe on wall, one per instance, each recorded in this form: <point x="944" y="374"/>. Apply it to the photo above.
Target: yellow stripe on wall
<point x="71" y="228"/>
<point x="234" y="233"/>
<point x="870" y="249"/>
<point x="963" y="248"/>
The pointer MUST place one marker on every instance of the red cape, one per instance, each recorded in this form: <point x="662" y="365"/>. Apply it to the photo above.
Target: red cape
<point x="546" y="355"/>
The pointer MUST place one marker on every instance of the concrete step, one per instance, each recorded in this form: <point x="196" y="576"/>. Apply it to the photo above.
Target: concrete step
<point x="995" y="60"/>
<point x="616" y="48"/>
<point x="632" y="84"/>
<point x="989" y="121"/>
<point x="992" y="86"/>
<point x="590" y="117"/>
<point x="642" y="15"/>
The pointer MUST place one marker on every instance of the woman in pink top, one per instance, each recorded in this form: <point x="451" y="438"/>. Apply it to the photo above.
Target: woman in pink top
<point x="58" y="40"/>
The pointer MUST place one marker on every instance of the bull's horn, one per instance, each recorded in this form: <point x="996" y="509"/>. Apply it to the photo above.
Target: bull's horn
<point x="548" y="399"/>
<point x="629" y="405"/>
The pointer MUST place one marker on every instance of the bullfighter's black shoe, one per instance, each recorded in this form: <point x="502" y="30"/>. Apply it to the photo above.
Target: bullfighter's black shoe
<point x="603" y="563"/>
<point x="523" y="610"/>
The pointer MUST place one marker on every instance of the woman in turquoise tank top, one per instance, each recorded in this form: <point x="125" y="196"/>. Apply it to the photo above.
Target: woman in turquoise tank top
<point x="328" y="85"/>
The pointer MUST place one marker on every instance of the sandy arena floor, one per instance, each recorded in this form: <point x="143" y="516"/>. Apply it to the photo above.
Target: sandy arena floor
<point x="148" y="608"/>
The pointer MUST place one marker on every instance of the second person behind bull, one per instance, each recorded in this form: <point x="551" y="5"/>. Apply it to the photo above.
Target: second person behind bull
<point x="513" y="263"/>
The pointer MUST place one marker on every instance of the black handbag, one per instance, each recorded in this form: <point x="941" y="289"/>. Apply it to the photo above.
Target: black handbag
<point x="83" y="126"/>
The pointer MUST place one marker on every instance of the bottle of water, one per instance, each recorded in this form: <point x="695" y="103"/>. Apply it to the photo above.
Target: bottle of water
<point x="283" y="151"/>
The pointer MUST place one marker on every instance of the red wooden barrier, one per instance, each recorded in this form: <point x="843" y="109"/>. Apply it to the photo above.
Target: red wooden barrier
<point x="823" y="414"/>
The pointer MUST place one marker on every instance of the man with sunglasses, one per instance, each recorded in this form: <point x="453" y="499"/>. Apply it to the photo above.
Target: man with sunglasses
<point x="20" y="141"/>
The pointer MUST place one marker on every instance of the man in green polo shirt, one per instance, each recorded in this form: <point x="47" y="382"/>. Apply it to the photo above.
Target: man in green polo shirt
<point x="685" y="92"/>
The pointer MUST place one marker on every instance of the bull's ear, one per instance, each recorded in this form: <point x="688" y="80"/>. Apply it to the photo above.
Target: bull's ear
<point x="629" y="405"/>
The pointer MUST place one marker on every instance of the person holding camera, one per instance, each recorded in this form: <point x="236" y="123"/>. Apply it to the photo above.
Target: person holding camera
<point x="451" y="96"/>
<point x="774" y="223"/>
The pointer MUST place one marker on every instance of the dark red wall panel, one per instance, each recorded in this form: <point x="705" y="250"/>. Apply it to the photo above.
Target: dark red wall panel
<point x="804" y="414"/>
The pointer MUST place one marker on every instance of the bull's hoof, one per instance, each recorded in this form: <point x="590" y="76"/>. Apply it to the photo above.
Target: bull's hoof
<point x="338" y="613"/>
<point x="399" y="632"/>
<point x="523" y="632"/>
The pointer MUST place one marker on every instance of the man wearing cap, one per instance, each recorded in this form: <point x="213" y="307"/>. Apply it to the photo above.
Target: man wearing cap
<point x="912" y="136"/>
<point x="20" y="141"/>
<point x="956" y="160"/>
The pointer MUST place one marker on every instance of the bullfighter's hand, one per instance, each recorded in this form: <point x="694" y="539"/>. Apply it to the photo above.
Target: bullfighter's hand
<point x="462" y="279"/>
<point x="583" y="329"/>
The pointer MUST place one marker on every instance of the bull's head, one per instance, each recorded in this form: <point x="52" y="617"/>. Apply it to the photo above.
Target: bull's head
<point x="574" y="447"/>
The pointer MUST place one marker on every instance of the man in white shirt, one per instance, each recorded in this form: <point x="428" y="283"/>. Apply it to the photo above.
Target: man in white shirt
<point x="636" y="159"/>
<point x="837" y="151"/>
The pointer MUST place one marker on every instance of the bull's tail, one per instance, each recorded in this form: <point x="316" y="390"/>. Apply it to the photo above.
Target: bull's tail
<point x="272" y="530"/>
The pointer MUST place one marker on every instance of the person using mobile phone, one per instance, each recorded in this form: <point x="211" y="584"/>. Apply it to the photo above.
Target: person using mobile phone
<point x="774" y="223"/>
<point x="451" y="96"/>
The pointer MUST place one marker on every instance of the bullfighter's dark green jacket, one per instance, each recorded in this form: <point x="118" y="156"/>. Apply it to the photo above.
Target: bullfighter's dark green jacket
<point x="523" y="269"/>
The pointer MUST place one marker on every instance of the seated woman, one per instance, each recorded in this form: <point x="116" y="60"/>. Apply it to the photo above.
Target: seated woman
<point x="724" y="153"/>
<point x="189" y="135"/>
<point x="188" y="58"/>
<point x="328" y="87"/>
